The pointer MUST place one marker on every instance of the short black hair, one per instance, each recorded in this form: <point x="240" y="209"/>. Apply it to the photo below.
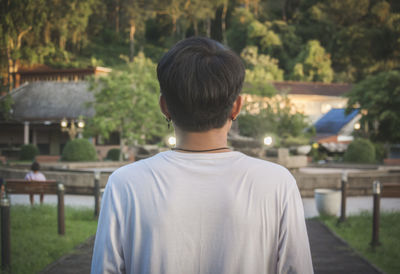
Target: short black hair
<point x="200" y="80"/>
<point x="35" y="166"/>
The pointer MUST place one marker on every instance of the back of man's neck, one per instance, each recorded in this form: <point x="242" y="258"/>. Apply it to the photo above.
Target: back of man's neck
<point x="212" y="139"/>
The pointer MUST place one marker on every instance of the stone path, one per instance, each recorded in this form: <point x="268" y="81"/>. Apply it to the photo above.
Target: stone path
<point x="78" y="262"/>
<point x="330" y="254"/>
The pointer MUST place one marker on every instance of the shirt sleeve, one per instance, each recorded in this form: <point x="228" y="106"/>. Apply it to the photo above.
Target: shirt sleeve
<point x="108" y="253"/>
<point x="294" y="248"/>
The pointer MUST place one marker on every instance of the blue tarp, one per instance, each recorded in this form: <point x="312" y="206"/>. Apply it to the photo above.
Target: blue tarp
<point x="333" y="121"/>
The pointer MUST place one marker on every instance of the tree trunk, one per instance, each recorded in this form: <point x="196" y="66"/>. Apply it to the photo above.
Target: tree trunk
<point x="10" y="69"/>
<point x="117" y="8"/>
<point x="132" y="41"/>
<point x="121" y="144"/>
<point x="247" y="4"/>
<point x="46" y="33"/>
<point x="256" y="8"/>
<point x="196" y="28"/>
<point x="13" y="64"/>
<point x="223" y="23"/>
<point x="61" y="43"/>
<point x="284" y="6"/>
<point x="174" y="24"/>
<point x="208" y="22"/>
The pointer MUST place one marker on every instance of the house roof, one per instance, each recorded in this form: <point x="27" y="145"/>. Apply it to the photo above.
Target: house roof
<point x="333" y="121"/>
<point x="312" y="88"/>
<point x="51" y="101"/>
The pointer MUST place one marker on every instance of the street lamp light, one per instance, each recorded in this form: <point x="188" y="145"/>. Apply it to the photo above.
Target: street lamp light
<point x="268" y="140"/>
<point x="64" y="123"/>
<point x="172" y="141"/>
<point x="81" y="123"/>
<point x="72" y="129"/>
<point x="357" y="126"/>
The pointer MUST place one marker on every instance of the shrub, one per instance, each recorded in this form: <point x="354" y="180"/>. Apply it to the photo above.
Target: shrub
<point x="360" y="151"/>
<point x="380" y="151"/>
<point x="252" y="125"/>
<point x="79" y="150"/>
<point x="113" y="154"/>
<point x="296" y="141"/>
<point x="28" y="152"/>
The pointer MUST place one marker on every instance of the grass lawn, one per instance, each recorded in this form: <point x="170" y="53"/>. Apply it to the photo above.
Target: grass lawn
<point x="357" y="231"/>
<point x="35" y="242"/>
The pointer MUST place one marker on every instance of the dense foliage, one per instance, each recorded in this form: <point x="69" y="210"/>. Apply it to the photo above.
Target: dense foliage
<point x="300" y="40"/>
<point x="379" y="98"/>
<point x="28" y="152"/>
<point x="309" y="40"/>
<point x="360" y="151"/>
<point x="78" y="150"/>
<point x="113" y="154"/>
<point x="126" y="101"/>
<point x="275" y="116"/>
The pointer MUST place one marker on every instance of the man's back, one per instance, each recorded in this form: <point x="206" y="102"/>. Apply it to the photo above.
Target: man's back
<point x="202" y="213"/>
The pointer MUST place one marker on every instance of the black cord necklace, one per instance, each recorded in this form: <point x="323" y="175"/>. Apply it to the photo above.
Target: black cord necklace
<point x="203" y="150"/>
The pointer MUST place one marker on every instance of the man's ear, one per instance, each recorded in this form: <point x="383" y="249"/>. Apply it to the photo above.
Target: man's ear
<point x="237" y="106"/>
<point x="163" y="107"/>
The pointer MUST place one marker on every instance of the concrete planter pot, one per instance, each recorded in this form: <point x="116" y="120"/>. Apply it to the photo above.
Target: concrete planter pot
<point x="327" y="201"/>
<point x="303" y="150"/>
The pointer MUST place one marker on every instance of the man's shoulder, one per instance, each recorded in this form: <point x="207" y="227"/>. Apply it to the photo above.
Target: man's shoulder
<point x="267" y="173"/>
<point x="135" y="168"/>
<point x="263" y="166"/>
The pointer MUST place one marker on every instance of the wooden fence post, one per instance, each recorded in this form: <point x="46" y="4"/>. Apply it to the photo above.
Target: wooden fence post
<point x="60" y="207"/>
<point x="97" y="193"/>
<point x="344" y="197"/>
<point x="5" y="233"/>
<point x="376" y="212"/>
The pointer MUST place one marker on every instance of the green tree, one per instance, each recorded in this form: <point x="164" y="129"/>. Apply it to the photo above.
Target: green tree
<point x="349" y="30"/>
<point x="6" y="103"/>
<point x="313" y="64"/>
<point x="263" y="35"/>
<point x="127" y="102"/>
<point x="261" y="70"/>
<point x="17" y="19"/>
<point x="378" y="97"/>
<point x="136" y="13"/>
<point x="276" y="115"/>
<point x="237" y="36"/>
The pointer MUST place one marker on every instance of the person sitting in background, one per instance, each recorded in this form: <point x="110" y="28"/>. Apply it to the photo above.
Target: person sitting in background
<point x="35" y="175"/>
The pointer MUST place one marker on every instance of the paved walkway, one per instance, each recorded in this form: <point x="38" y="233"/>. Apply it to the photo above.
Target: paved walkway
<point x="329" y="253"/>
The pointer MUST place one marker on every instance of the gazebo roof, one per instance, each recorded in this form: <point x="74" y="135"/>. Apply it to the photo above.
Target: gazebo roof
<point x="333" y="121"/>
<point x="49" y="101"/>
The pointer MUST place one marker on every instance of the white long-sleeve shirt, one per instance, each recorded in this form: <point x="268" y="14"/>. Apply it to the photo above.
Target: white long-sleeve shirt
<point x="184" y="213"/>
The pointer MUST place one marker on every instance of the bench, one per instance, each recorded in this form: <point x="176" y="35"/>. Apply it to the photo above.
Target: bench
<point x="47" y="158"/>
<point x="387" y="190"/>
<point x="19" y="186"/>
